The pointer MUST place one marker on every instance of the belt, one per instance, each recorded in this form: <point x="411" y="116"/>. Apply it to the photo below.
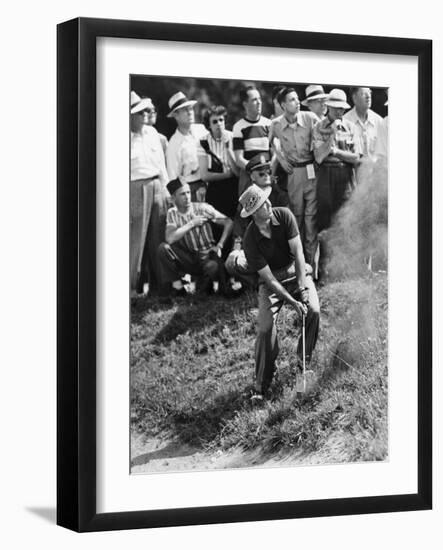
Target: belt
<point x="301" y="164"/>
<point x="336" y="164"/>
<point x="147" y="179"/>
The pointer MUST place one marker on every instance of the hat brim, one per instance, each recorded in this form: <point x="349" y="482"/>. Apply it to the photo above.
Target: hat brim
<point x="337" y="104"/>
<point x="258" y="166"/>
<point x="305" y="102"/>
<point x="266" y="192"/>
<point x="189" y="103"/>
<point x="143" y="104"/>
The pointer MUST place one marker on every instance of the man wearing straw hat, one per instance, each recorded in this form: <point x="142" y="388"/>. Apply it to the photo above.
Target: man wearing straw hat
<point x="182" y="150"/>
<point x="147" y="198"/>
<point x="274" y="251"/>
<point x="337" y="152"/>
<point x="315" y="100"/>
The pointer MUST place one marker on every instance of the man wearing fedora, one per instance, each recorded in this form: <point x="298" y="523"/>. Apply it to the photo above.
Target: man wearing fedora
<point x="182" y="150"/>
<point x="294" y="131"/>
<point x="367" y="129"/>
<point x="315" y="100"/>
<point x="337" y="152"/>
<point x="273" y="250"/>
<point x="148" y="198"/>
<point x="190" y="247"/>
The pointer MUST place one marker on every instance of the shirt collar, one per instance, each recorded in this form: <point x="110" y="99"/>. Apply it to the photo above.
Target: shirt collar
<point x="274" y="222"/>
<point x="357" y="119"/>
<point x="298" y="120"/>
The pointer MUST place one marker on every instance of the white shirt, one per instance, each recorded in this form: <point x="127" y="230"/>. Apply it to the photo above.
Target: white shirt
<point x="181" y="154"/>
<point x="366" y="131"/>
<point x="381" y="149"/>
<point x="147" y="157"/>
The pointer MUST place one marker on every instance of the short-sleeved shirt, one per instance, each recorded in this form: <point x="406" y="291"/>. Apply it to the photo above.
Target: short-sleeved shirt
<point x="345" y="139"/>
<point x="295" y="138"/>
<point x="275" y="252"/>
<point x="181" y="154"/>
<point x="198" y="239"/>
<point x="147" y="156"/>
<point x="366" y="132"/>
<point x="251" y="137"/>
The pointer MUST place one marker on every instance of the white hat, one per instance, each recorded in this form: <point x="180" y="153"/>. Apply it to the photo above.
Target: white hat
<point x="337" y="98"/>
<point x="138" y="104"/>
<point x="313" y="91"/>
<point x="253" y="198"/>
<point x="178" y="101"/>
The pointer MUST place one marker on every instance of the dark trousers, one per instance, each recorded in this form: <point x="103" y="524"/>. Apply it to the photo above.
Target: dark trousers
<point x="335" y="183"/>
<point x="266" y="344"/>
<point x="177" y="260"/>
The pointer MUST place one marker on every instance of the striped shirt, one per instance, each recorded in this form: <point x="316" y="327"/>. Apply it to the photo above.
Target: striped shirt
<point x="198" y="239"/>
<point x="220" y="148"/>
<point x="251" y="137"/>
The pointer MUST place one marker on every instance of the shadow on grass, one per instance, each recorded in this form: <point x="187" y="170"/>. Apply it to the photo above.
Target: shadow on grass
<point x="201" y="427"/>
<point x="194" y="313"/>
<point x="171" y="450"/>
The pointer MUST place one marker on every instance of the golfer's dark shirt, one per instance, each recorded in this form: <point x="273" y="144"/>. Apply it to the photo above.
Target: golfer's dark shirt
<point x="275" y="252"/>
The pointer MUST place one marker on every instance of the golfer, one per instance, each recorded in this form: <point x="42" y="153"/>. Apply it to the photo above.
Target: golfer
<point x="273" y="250"/>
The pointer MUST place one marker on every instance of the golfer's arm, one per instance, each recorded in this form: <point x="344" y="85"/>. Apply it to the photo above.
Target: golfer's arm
<point x="296" y="248"/>
<point x="271" y="282"/>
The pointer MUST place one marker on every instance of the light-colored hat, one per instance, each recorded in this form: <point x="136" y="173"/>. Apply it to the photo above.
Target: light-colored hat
<point x="138" y="104"/>
<point x="178" y="101"/>
<point x="337" y="98"/>
<point x="313" y="91"/>
<point x="253" y="198"/>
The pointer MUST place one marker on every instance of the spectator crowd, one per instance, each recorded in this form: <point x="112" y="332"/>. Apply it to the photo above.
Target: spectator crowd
<point x="189" y="195"/>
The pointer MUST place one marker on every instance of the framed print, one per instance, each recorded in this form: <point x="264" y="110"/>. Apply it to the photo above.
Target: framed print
<point x="244" y="274"/>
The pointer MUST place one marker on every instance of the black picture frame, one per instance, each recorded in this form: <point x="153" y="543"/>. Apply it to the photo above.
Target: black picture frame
<point x="76" y="278"/>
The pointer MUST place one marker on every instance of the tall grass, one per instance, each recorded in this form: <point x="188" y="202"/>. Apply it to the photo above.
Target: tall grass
<point x="192" y="367"/>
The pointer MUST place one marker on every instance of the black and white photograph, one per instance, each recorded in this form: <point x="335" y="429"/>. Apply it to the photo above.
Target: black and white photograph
<point x="258" y="273"/>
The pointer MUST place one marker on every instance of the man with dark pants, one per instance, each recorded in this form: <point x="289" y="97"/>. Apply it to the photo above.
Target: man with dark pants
<point x="337" y="152"/>
<point x="274" y="251"/>
<point x="190" y="245"/>
<point x="294" y="130"/>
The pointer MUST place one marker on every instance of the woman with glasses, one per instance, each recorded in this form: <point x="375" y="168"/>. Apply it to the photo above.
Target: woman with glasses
<point x="217" y="163"/>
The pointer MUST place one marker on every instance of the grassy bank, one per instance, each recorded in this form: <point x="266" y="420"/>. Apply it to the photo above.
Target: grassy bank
<point x="192" y="371"/>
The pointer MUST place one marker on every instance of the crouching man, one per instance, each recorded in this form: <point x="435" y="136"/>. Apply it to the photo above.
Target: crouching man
<point x="273" y="250"/>
<point x="190" y="246"/>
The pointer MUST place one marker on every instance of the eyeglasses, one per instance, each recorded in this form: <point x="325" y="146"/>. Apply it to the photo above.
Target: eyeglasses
<point x="147" y="111"/>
